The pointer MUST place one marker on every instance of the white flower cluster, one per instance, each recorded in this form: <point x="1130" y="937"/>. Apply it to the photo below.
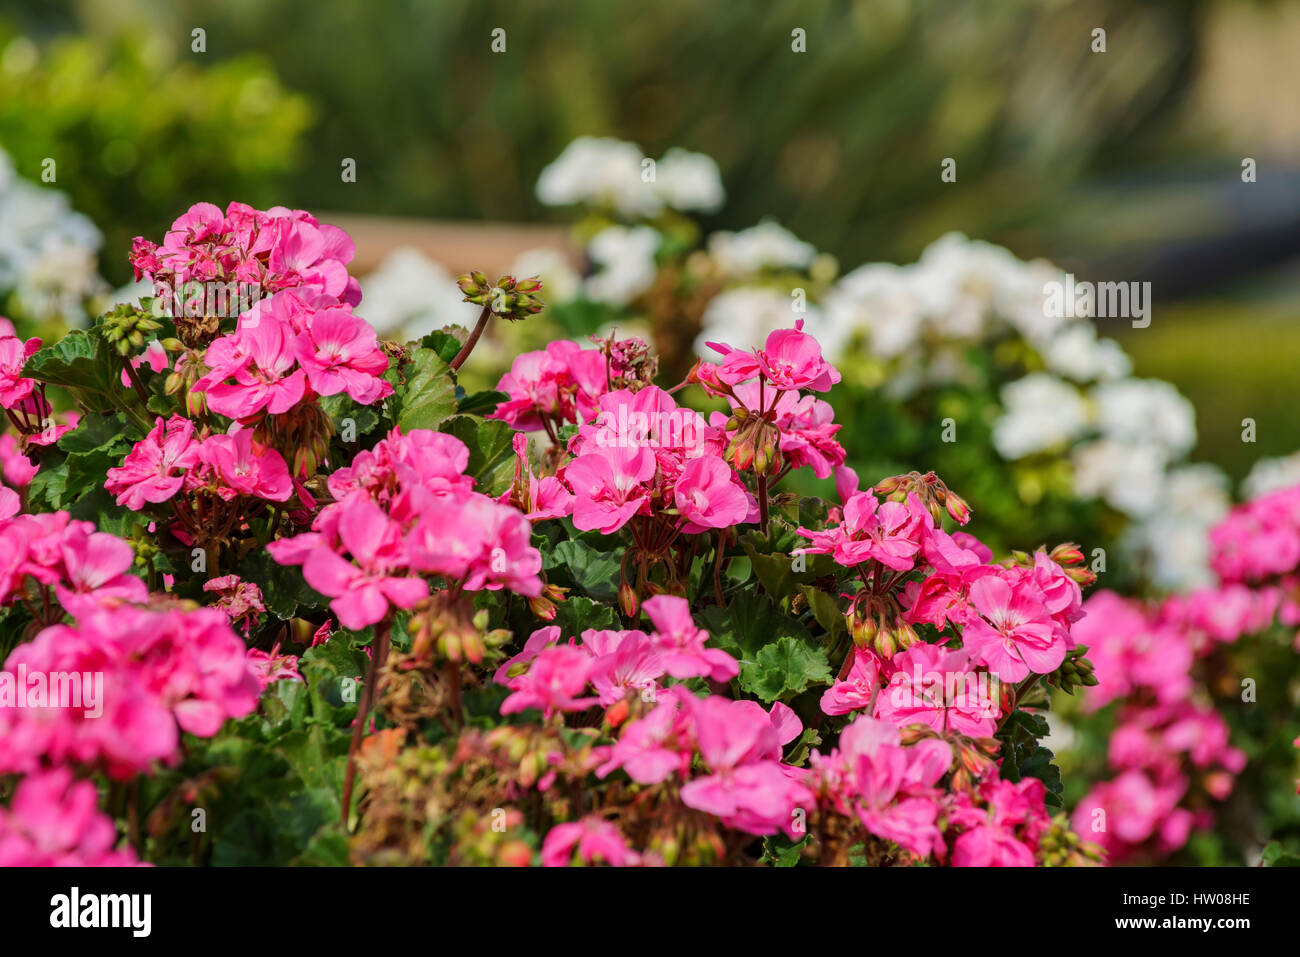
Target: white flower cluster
<point x="1126" y="437"/>
<point x="604" y="172"/>
<point x="1270" y="474"/>
<point x="767" y="246"/>
<point x="48" y="252"/>
<point x="411" y="293"/>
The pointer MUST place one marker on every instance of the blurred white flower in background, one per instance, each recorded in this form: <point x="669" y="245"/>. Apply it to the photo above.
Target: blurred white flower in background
<point x="769" y="245"/>
<point x="48" y="252"/>
<point x="1076" y="353"/>
<point x="560" y="281"/>
<point x="1270" y="474"/>
<point x="1174" y="540"/>
<point x="689" y="182"/>
<point x="1127" y="477"/>
<point x="604" y="172"/>
<point x="599" y="171"/>
<point x="1042" y="412"/>
<point x="878" y="299"/>
<point x="1148" y="412"/>
<point x="413" y="295"/>
<point x="625" y="256"/>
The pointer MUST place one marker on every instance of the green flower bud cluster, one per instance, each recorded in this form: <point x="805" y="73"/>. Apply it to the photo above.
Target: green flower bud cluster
<point x="128" y="328"/>
<point x="508" y="298"/>
<point x="1075" y="670"/>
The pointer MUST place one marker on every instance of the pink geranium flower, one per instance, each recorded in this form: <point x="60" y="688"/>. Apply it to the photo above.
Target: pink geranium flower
<point x="247" y="468"/>
<point x="261" y="360"/>
<point x="154" y="470"/>
<point x="595" y="841"/>
<point x="682" y="643"/>
<point x="340" y="353"/>
<point x="1013" y="633"/>
<point x="790" y="360"/>
<point x="362" y="591"/>
<point x="95" y="566"/>
<point x="856" y="690"/>
<point x="652" y="748"/>
<point x="607" y="486"/>
<point x="14" y="353"/>
<point x="55" y="821"/>
<point x="891" y="533"/>
<point x="552" y="683"/>
<point x="709" y="495"/>
<point x="939" y="688"/>
<point x="624" y="661"/>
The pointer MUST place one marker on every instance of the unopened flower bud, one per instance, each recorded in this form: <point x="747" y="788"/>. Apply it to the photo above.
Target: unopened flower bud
<point x="627" y="599"/>
<point x="1067" y="554"/>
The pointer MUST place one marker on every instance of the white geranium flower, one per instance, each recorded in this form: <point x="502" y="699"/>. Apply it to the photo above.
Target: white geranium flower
<point x="600" y="171"/>
<point x="1270" y="474"/>
<point x="877" y="299"/>
<point x="1148" y="412"/>
<point x="1076" y="353"/>
<point x="768" y="245"/>
<point x="411" y="294"/>
<point x="626" y="257"/>
<point x="1127" y="477"/>
<point x="689" y="182"/>
<point x="1040" y="412"/>
<point x="1174" y="541"/>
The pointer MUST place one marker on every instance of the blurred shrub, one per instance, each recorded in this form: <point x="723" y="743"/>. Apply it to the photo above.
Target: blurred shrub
<point x="842" y="143"/>
<point x="131" y="127"/>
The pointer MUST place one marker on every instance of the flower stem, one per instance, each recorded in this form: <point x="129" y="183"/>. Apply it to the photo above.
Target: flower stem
<point x="468" y="347"/>
<point x="382" y="633"/>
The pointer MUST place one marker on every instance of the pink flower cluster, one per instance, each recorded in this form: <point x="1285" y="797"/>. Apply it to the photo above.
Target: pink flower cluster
<point x="55" y="821"/>
<point x="552" y="387"/>
<point x="612" y="662"/>
<point x="927" y="684"/>
<point x="644" y="455"/>
<point x="23" y="399"/>
<point x="162" y="671"/>
<point x="272" y="250"/>
<point x="1159" y="753"/>
<point x="286" y="349"/>
<point x="170" y="459"/>
<point x="1258" y="540"/>
<point x="741" y="780"/>
<point x="51" y="555"/>
<point x="392" y="525"/>
<point x="893" y="789"/>
<point x="1013" y="620"/>
<point x="1170" y="749"/>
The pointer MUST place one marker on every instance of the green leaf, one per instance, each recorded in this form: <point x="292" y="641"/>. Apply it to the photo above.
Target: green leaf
<point x="825" y="610"/>
<point x="780" y="851"/>
<point x="784" y="668"/>
<point x="428" y="397"/>
<point x="748" y="623"/>
<point x="47" y="488"/>
<point x="576" y="614"/>
<point x="343" y="406"/>
<point x="481" y="403"/>
<point x="1275" y="855"/>
<point x="595" y="572"/>
<point x="284" y="590"/>
<point x="443" y="343"/>
<point x="491" y="452"/>
<point x="88" y="367"/>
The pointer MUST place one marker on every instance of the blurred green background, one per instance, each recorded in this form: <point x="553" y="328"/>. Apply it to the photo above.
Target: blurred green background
<point x="1119" y="165"/>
